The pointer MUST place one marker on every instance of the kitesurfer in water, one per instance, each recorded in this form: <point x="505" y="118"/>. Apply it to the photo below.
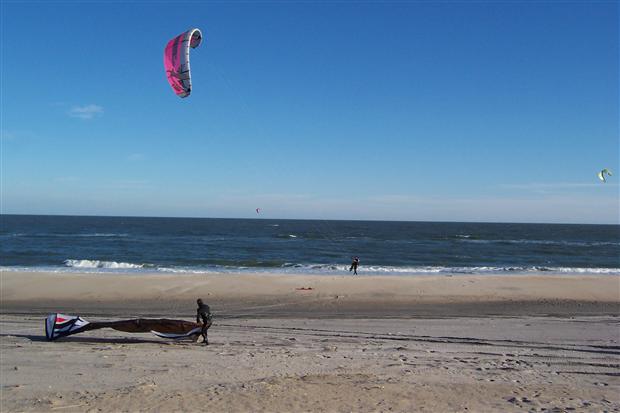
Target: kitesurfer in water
<point x="204" y="317"/>
<point x="354" y="264"/>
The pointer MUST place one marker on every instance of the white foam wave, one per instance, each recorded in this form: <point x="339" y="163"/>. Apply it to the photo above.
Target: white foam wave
<point x="96" y="266"/>
<point x="487" y="270"/>
<point x="99" y="234"/>
<point x="101" y="264"/>
<point x="540" y="242"/>
<point x="72" y="235"/>
<point x="421" y="270"/>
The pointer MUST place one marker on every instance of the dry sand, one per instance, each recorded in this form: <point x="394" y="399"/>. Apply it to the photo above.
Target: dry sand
<point x="462" y="343"/>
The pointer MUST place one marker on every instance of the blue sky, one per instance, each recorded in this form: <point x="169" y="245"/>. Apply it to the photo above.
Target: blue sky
<point x="450" y="111"/>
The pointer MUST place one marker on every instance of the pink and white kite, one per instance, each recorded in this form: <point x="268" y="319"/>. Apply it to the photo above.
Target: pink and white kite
<point x="176" y="61"/>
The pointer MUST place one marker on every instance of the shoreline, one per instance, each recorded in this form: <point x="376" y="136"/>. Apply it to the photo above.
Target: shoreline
<point x="324" y="270"/>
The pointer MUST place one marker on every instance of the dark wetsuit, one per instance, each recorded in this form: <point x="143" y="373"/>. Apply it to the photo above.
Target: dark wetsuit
<point x="203" y="316"/>
<point x="354" y="264"/>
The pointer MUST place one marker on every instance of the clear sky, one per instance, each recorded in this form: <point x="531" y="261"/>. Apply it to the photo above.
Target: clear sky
<point x="448" y="111"/>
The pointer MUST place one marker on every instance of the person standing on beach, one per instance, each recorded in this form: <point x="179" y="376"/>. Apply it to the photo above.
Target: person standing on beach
<point x="204" y="317"/>
<point x="354" y="264"/>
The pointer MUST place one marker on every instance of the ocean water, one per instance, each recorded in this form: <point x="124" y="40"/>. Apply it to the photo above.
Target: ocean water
<point x="171" y="245"/>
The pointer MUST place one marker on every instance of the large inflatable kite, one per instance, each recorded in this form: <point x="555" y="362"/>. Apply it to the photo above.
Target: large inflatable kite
<point x="60" y="325"/>
<point x="176" y="61"/>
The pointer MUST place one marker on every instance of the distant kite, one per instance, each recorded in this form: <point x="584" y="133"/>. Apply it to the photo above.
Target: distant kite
<point x="176" y="61"/>
<point x="258" y="210"/>
<point x="601" y="175"/>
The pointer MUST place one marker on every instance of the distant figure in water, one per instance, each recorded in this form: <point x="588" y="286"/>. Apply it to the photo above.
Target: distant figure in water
<point x="354" y="264"/>
<point x="204" y="317"/>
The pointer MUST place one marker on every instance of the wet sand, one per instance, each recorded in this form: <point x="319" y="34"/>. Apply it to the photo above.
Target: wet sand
<point x="492" y="343"/>
<point x="303" y="296"/>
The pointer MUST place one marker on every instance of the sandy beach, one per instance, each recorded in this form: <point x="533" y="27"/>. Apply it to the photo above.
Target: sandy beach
<point x="317" y="343"/>
<point x="309" y="206"/>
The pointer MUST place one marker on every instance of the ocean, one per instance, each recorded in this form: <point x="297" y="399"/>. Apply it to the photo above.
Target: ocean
<point x="203" y="245"/>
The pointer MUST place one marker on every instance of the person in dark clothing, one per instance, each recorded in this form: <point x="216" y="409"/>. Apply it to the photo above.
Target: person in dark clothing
<point x="354" y="264"/>
<point x="204" y="317"/>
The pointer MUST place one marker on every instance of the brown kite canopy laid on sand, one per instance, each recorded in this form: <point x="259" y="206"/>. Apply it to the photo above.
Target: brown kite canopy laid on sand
<point x="60" y="325"/>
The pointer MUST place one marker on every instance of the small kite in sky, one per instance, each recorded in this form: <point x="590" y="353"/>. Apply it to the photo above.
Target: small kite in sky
<point x="601" y="175"/>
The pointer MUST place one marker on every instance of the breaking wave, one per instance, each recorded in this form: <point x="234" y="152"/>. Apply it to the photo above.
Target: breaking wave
<point x="61" y="235"/>
<point x="96" y="266"/>
<point x="538" y="242"/>
<point x="286" y="236"/>
<point x="90" y="264"/>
